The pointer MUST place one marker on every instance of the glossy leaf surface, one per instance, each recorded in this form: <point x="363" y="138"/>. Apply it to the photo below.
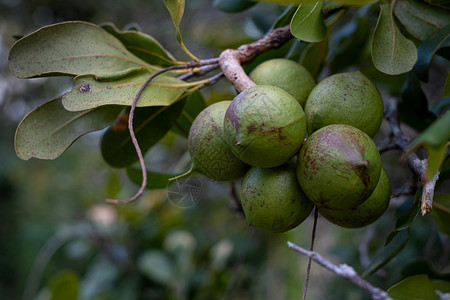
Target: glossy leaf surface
<point x="143" y="46"/>
<point x="343" y="2"/>
<point x="446" y="89"/>
<point x="195" y="103"/>
<point x="233" y="6"/>
<point x="176" y="10"/>
<point x="428" y="48"/>
<point x="418" y="287"/>
<point x="308" y="24"/>
<point x="441" y="212"/>
<point x="150" y="125"/>
<point x="413" y="106"/>
<point x="420" y="19"/>
<point x="388" y="252"/>
<point x="434" y="139"/>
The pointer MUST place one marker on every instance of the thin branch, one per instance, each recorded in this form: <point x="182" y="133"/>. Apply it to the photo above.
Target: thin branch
<point x="197" y="67"/>
<point x="133" y="135"/>
<point x="199" y="71"/>
<point x="417" y="165"/>
<point x="231" y="60"/>
<point x="313" y="238"/>
<point x="343" y="270"/>
<point x="428" y="195"/>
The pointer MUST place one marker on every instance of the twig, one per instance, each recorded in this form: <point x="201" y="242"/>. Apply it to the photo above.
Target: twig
<point x="442" y="296"/>
<point x="231" y="60"/>
<point x="417" y="165"/>
<point x="133" y="136"/>
<point x="426" y="203"/>
<point x="313" y="238"/>
<point x="343" y="270"/>
<point x="199" y="72"/>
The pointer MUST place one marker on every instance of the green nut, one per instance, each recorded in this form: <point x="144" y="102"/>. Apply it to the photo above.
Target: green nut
<point x="264" y="126"/>
<point x="210" y="155"/>
<point x="338" y="167"/>
<point x="272" y="198"/>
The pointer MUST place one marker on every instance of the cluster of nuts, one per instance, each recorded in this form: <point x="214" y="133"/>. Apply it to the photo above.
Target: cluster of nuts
<point x="260" y="136"/>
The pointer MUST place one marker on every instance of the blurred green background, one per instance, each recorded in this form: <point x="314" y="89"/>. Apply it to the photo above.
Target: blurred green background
<point x="59" y="240"/>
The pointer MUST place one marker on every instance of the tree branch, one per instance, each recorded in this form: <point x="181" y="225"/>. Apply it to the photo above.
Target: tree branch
<point x="194" y="66"/>
<point x="417" y="165"/>
<point x="343" y="270"/>
<point x="313" y="238"/>
<point x="231" y="60"/>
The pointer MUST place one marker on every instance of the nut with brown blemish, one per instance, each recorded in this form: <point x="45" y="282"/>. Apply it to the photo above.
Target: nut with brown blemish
<point x="264" y="126"/>
<point x="338" y="167"/>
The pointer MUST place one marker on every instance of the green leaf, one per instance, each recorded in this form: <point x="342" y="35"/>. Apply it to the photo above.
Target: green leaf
<point x="155" y="180"/>
<point x="406" y="214"/>
<point x="308" y="24"/>
<point x="89" y="93"/>
<point x="439" y="3"/>
<point x="65" y="285"/>
<point x="388" y="252"/>
<point x="420" y="20"/>
<point x="428" y="48"/>
<point x="446" y="90"/>
<point x="423" y="266"/>
<point x="441" y="212"/>
<point x="195" y="103"/>
<point x="143" y="46"/>
<point x="355" y="2"/>
<point x="176" y="10"/>
<point x="157" y="265"/>
<point x="418" y="287"/>
<point x="313" y="57"/>
<point x="233" y="6"/>
<point x="47" y="131"/>
<point x="413" y="105"/>
<point x="392" y="53"/>
<point x="442" y="286"/>
<point x="434" y="139"/>
<point x="70" y="48"/>
<point x="150" y="125"/>
<point x="441" y="106"/>
<point x="285" y="18"/>
<point x="295" y="2"/>
<point x="346" y="43"/>
<point x="344" y="2"/>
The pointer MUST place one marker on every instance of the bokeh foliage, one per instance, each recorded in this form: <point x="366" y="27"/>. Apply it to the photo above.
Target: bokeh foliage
<point x="59" y="238"/>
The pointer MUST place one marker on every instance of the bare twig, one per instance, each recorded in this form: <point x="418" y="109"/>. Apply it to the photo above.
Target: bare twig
<point x="417" y="165"/>
<point x="343" y="270"/>
<point x="231" y="60"/>
<point x="313" y="238"/>
<point x="199" y="72"/>
<point x="442" y="296"/>
<point x="426" y="202"/>
<point x="191" y="65"/>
